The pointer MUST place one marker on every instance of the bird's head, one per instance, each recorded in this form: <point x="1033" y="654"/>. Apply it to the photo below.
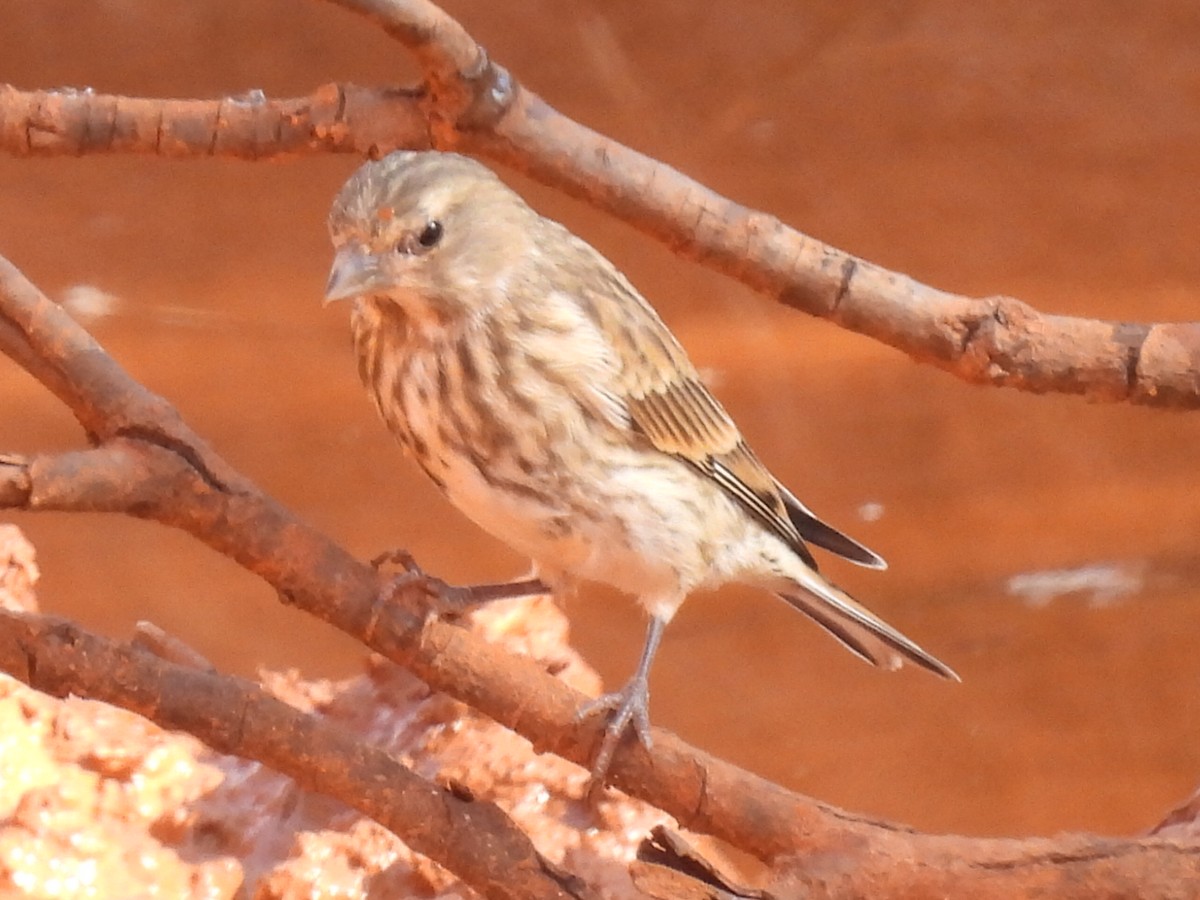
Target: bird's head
<point x="432" y="232"/>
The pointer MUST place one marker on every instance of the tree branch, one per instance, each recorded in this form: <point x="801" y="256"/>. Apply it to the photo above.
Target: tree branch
<point x="474" y="838"/>
<point x="147" y="463"/>
<point x="472" y="104"/>
<point x="334" y="118"/>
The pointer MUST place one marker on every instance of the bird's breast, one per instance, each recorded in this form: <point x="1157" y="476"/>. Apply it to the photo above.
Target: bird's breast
<point x="533" y="459"/>
<point x="462" y="412"/>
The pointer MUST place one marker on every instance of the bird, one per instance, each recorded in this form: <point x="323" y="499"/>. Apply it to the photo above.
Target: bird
<point x="552" y="405"/>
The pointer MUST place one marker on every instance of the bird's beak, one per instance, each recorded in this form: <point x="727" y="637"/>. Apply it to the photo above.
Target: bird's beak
<point x="355" y="273"/>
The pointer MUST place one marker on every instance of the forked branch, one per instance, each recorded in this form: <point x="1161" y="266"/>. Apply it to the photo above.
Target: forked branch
<point x="147" y="463"/>
<point x="469" y="103"/>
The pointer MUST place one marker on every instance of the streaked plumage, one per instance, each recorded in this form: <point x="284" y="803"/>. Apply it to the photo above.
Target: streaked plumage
<point x="549" y="401"/>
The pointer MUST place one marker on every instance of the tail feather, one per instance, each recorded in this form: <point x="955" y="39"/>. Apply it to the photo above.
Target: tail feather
<point x="863" y="633"/>
<point x="840" y="630"/>
<point x="824" y="535"/>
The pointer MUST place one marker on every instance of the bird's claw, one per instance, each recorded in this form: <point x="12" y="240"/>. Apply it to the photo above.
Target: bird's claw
<point x="440" y="598"/>
<point x="397" y="557"/>
<point x="629" y="706"/>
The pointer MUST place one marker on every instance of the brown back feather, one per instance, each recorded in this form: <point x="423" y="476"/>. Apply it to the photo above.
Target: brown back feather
<point x="671" y="407"/>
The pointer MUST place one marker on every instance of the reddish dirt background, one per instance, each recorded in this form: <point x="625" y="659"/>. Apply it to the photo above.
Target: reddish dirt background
<point x="1049" y="154"/>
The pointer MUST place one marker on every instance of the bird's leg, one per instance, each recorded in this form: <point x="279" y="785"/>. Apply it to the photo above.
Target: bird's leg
<point x="450" y="599"/>
<point x="628" y="706"/>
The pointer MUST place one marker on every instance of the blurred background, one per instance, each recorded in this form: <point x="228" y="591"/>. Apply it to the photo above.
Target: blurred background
<point x="1044" y="547"/>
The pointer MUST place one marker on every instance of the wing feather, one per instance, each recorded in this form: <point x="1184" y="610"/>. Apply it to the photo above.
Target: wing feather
<point x="669" y="404"/>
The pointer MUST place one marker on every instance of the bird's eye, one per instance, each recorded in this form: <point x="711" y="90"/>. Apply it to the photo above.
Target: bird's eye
<point x="426" y="239"/>
<point x="430" y="234"/>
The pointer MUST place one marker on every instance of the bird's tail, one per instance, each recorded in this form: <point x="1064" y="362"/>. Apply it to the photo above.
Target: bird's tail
<point x="863" y="633"/>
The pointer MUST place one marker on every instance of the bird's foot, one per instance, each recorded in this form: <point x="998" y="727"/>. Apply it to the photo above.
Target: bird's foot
<point x="410" y="574"/>
<point x="443" y="599"/>
<point x="628" y="706"/>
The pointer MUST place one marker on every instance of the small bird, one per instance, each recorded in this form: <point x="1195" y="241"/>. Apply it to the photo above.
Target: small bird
<point x="551" y="404"/>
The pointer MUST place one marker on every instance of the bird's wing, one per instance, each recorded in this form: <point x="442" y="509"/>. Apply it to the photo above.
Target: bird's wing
<point x="660" y="389"/>
<point x="680" y="417"/>
<point x="671" y="407"/>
